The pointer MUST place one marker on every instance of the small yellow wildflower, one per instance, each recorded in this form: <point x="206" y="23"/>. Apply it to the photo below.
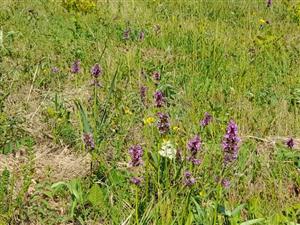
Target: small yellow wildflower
<point x="127" y="111"/>
<point x="202" y="193"/>
<point x="148" y="121"/>
<point x="262" y="21"/>
<point x="176" y="129"/>
<point x="165" y="140"/>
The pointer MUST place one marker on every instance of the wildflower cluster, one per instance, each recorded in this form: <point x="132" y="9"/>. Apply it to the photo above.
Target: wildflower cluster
<point x="88" y="141"/>
<point x="163" y="123"/>
<point x="143" y="91"/>
<point x="230" y="143"/>
<point x="194" y="146"/>
<point x="206" y="120"/>
<point x="136" y="153"/>
<point x="96" y="71"/>
<point x="189" y="180"/>
<point x="159" y="99"/>
<point x="75" y="67"/>
<point x="168" y="150"/>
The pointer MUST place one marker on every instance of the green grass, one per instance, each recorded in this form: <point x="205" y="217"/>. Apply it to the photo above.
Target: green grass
<point x="213" y="56"/>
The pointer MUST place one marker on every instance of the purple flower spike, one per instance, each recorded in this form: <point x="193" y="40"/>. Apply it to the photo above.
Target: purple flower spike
<point x="195" y="161"/>
<point x="163" y="123"/>
<point x="136" y="153"/>
<point x="206" y="120"/>
<point x="136" y="180"/>
<point x="88" y="140"/>
<point x="55" y="69"/>
<point x="143" y="91"/>
<point x="269" y="3"/>
<point x="75" y="68"/>
<point x="194" y="146"/>
<point x="96" y="70"/>
<point x="159" y="99"/>
<point x="156" y="75"/>
<point x="189" y="180"/>
<point x="230" y="143"/>
<point x="225" y="183"/>
<point x="290" y="143"/>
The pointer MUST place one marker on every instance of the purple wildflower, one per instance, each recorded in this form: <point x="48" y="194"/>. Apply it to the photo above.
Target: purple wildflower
<point x="156" y="75"/>
<point x="230" y="142"/>
<point x="96" y="70"/>
<point x="194" y="146"/>
<point x="136" y="153"/>
<point x="141" y="36"/>
<point x="163" y="123"/>
<point x="88" y="140"/>
<point x="189" y="180"/>
<point x="225" y="183"/>
<point x="290" y="143"/>
<point x="136" y="180"/>
<point x="75" y="68"/>
<point x="126" y="34"/>
<point x="206" y="120"/>
<point x="55" y="69"/>
<point x="159" y="99"/>
<point x="143" y="91"/>
<point x="269" y="3"/>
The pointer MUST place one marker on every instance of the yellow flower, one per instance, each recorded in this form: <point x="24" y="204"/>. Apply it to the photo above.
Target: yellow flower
<point x="127" y="111"/>
<point x="262" y="21"/>
<point x="176" y="129"/>
<point x="202" y="193"/>
<point x="148" y="121"/>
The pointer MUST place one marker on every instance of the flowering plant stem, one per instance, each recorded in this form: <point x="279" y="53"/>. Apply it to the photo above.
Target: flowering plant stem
<point x="137" y="205"/>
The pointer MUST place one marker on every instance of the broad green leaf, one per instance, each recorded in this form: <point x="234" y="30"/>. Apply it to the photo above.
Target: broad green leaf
<point x="237" y="209"/>
<point x="255" y="221"/>
<point x="96" y="196"/>
<point x="84" y="118"/>
<point x="190" y="219"/>
<point x="58" y="185"/>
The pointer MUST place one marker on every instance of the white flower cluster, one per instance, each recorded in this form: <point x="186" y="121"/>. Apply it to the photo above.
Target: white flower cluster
<point x="168" y="150"/>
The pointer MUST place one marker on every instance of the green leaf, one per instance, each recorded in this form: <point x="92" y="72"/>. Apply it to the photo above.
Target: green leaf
<point x="84" y="118"/>
<point x="249" y="222"/>
<point x="237" y="209"/>
<point x="190" y="219"/>
<point x="96" y="195"/>
<point x="58" y="185"/>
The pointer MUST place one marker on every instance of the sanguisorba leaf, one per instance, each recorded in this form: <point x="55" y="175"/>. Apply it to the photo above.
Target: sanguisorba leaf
<point x="96" y="196"/>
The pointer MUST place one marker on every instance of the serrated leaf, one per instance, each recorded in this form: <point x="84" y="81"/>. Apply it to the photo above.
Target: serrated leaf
<point x="96" y="195"/>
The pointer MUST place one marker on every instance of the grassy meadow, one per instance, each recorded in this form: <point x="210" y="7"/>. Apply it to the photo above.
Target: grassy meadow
<point x="163" y="112"/>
